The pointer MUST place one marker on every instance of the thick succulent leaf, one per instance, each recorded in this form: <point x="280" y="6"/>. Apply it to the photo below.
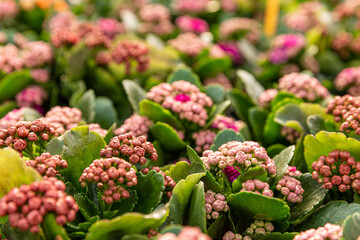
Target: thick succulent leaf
<point x="86" y="103"/>
<point x="216" y="92"/>
<point x="30" y="114"/>
<point x="157" y="113"/>
<point x="13" y="83"/>
<point x="55" y="146"/>
<point x="282" y="160"/>
<point x="257" y="120"/>
<point x="274" y="236"/>
<point x="258" y="206"/>
<point x="325" y="142"/>
<point x="6" y="107"/>
<point x="149" y="190"/>
<point x="219" y="109"/>
<point x="105" y="112"/>
<point x="241" y="103"/>
<point x="196" y="215"/>
<point x="135" y="93"/>
<point x="124" y="205"/>
<point x="334" y="212"/>
<point x="179" y="171"/>
<point x="252" y="86"/>
<point x="87" y="208"/>
<point x="184" y="73"/>
<point x="167" y="136"/>
<point x="77" y="58"/>
<point x="215" y="228"/>
<point x="209" y="67"/>
<point x="128" y="223"/>
<point x="181" y="196"/>
<point x="51" y="229"/>
<point x="312" y="197"/>
<point x="80" y="149"/>
<point x="225" y="136"/>
<point x="13" y="172"/>
<point x="351" y="229"/>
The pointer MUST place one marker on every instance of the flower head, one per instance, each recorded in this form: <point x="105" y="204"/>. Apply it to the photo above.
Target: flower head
<point x="291" y="189"/>
<point x="260" y="226"/>
<point x="63" y="118"/>
<point x="222" y="122"/>
<point x="203" y="140"/>
<point x="186" y="233"/>
<point x="349" y="79"/>
<point x="285" y="47"/>
<point x="215" y="204"/>
<point x="188" y="43"/>
<point x="258" y="187"/>
<point x="138" y="125"/>
<point x="192" y="24"/>
<point x="47" y="165"/>
<point x="248" y="27"/>
<point x="329" y="231"/>
<point x="31" y="96"/>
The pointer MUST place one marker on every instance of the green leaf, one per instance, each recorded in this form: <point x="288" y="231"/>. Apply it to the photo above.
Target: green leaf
<point x="325" y="142"/>
<point x="157" y="113"/>
<point x="196" y="215"/>
<point x="216" y="92"/>
<point x="275" y="149"/>
<point x="179" y="171"/>
<point x="334" y="212"/>
<point x="312" y="197"/>
<point x="87" y="104"/>
<point x="282" y="160"/>
<point x="220" y="108"/>
<point x="215" y="228"/>
<point x="209" y="67"/>
<point x="274" y="236"/>
<point x="128" y="223"/>
<point x="181" y="196"/>
<point x="184" y="73"/>
<point x="87" y="208"/>
<point x="105" y="112"/>
<point x="224" y="136"/>
<point x="315" y="123"/>
<point x="6" y="107"/>
<point x="13" y="83"/>
<point x="257" y="119"/>
<point x="110" y="134"/>
<point x="351" y="229"/>
<point x="241" y="103"/>
<point x="55" y="146"/>
<point x="124" y="205"/>
<point x="167" y="136"/>
<point x="81" y="148"/>
<point x="15" y="233"/>
<point x="31" y="114"/>
<point x="51" y="229"/>
<point x="149" y="190"/>
<point x="253" y="173"/>
<point x="252" y="86"/>
<point x="258" y="206"/>
<point x="135" y="237"/>
<point x="192" y="155"/>
<point x="135" y="93"/>
<point x="79" y="54"/>
<point x="13" y="172"/>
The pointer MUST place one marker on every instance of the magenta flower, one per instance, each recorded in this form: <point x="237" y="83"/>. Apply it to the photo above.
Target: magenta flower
<point x="182" y="98"/>
<point x="192" y="24"/>
<point x="232" y="50"/>
<point x="231" y="173"/>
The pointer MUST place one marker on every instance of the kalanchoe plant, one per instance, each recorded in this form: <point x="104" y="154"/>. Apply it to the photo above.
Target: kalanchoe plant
<point x="47" y="165"/>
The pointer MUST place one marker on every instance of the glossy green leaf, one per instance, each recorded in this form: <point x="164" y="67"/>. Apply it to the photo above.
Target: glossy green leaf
<point x="184" y="73"/>
<point x="325" y="142"/>
<point x="149" y="190"/>
<point x="87" y="208"/>
<point x="274" y="236"/>
<point x="128" y="223"/>
<point x="351" y="229"/>
<point x="6" y="107"/>
<point x="275" y="149"/>
<point x="55" y="146"/>
<point x="181" y="196"/>
<point x="179" y="171"/>
<point x="196" y="215"/>
<point x="209" y="67"/>
<point x="252" y="86"/>
<point x="219" y="109"/>
<point x="110" y="134"/>
<point x="315" y="124"/>
<point x="282" y="160"/>
<point x="135" y="93"/>
<point x="30" y="114"/>
<point x="157" y="113"/>
<point x="215" y="228"/>
<point x="13" y="83"/>
<point x="78" y="56"/>
<point x="241" y="104"/>
<point x="258" y="206"/>
<point x="216" y="92"/>
<point x="192" y="155"/>
<point x="257" y="119"/>
<point x="253" y="173"/>
<point x="105" y="112"/>
<point x="86" y="104"/>
<point x="225" y="136"/>
<point x="51" y="229"/>
<point x="135" y="237"/>
<point x="312" y="197"/>
<point x="124" y="205"/>
<point x="167" y="136"/>
<point x="334" y="212"/>
<point x="80" y="149"/>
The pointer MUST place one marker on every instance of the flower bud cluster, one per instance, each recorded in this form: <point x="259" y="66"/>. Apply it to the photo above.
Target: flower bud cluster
<point x="290" y="188"/>
<point x="169" y="183"/>
<point x="188" y="43"/>
<point x="338" y="170"/>
<point x="329" y="231"/>
<point x="266" y="97"/>
<point x="128" y="51"/>
<point x="95" y="127"/>
<point x="242" y="155"/>
<point x="47" y="165"/>
<point x="291" y="134"/>
<point x="222" y="122"/>
<point x="192" y="24"/>
<point x="286" y="47"/>
<point x="31" y="96"/>
<point x="349" y="79"/>
<point x="220" y="79"/>
<point x="186" y="233"/>
<point x="203" y="140"/>
<point x="238" y="25"/>
<point x="28" y="205"/>
<point x="113" y="177"/>
<point x="63" y="118"/>
<point x="292" y="172"/>
<point x="12" y="117"/>
<point x="342" y="43"/>
<point x="215" y="204"/>
<point x="184" y="99"/>
<point x="258" y="187"/>
<point x="133" y="149"/>
<point x="8" y="9"/>
<point x="40" y="75"/>
<point x="138" y="125"/>
<point x="156" y="19"/>
<point x="189" y="6"/>
<point x="232" y="50"/>
<point x="19" y="134"/>
<point x="346" y="9"/>
<point x="303" y="86"/>
<point x="346" y="109"/>
<point x="110" y="27"/>
<point x="260" y="226"/>
<point x="232" y="236"/>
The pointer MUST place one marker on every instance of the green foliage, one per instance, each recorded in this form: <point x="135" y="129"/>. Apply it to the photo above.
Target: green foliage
<point x="105" y="112"/>
<point x="184" y="73"/>
<point x="135" y="93"/>
<point x="210" y="67"/>
<point x="225" y="136"/>
<point x="86" y="103"/>
<point x="13" y="83"/>
<point x="351" y="229"/>
<point x="167" y="136"/>
<point x="216" y="92"/>
<point x="241" y="103"/>
<point x="282" y="160"/>
<point x="196" y="215"/>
